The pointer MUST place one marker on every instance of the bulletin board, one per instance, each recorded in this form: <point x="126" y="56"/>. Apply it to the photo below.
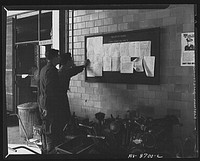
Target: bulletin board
<point x="130" y="57"/>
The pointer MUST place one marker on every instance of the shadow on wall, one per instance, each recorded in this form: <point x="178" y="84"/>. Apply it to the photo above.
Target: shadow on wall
<point x="147" y="111"/>
<point x="117" y="99"/>
<point x="126" y="100"/>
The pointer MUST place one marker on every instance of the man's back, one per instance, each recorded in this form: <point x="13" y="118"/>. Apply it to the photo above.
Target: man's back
<point x="49" y="88"/>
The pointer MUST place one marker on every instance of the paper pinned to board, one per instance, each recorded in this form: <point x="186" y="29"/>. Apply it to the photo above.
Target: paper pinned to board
<point x="90" y="43"/>
<point x="94" y="54"/>
<point x="124" y="49"/>
<point x="134" y="49"/>
<point x="90" y="71"/>
<point x="98" y="45"/>
<point x="106" y="50"/>
<point x="106" y="63"/>
<point x="126" y="65"/>
<point x="145" y="48"/>
<point x="115" y="50"/>
<point x="149" y="64"/>
<point x="90" y="67"/>
<point x="137" y="65"/>
<point x="124" y="59"/>
<point x="95" y="44"/>
<point x="98" y="66"/>
<point x="95" y="67"/>
<point x="115" y="64"/>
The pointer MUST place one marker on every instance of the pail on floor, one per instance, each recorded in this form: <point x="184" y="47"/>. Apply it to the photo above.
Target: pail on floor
<point x="28" y="113"/>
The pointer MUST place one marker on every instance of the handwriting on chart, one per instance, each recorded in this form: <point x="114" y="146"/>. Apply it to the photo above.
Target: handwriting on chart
<point x="145" y="155"/>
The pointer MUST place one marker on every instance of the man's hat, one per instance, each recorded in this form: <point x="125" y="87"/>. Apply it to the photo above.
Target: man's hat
<point x="189" y="39"/>
<point x="65" y="57"/>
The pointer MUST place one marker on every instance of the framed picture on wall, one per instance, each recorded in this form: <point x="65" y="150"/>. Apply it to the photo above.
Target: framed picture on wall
<point x="187" y="49"/>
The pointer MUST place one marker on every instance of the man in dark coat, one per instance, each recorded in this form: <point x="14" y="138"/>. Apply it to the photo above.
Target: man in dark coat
<point x="50" y="103"/>
<point x="66" y="71"/>
<point x="189" y="45"/>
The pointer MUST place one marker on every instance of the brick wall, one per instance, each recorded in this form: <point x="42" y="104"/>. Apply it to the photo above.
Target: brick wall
<point x="174" y="95"/>
<point x="9" y="92"/>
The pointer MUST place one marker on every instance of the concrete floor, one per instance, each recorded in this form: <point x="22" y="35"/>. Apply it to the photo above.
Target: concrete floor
<point x="13" y="131"/>
<point x="14" y="138"/>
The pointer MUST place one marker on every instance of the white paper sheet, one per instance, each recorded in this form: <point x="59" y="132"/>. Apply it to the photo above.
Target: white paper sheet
<point x="90" y="43"/>
<point x="137" y="48"/>
<point x="94" y="54"/>
<point x="98" y="43"/>
<point x="90" y="54"/>
<point x="149" y="63"/>
<point x="95" y="68"/>
<point x="137" y="65"/>
<point x="187" y="49"/>
<point x="98" y="66"/>
<point x="106" y="50"/>
<point x="90" y="70"/>
<point x="134" y="49"/>
<point x="115" y="50"/>
<point x="106" y="63"/>
<point x="124" y="49"/>
<point x="115" y="64"/>
<point x="125" y="59"/>
<point x="126" y="65"/>
<point x="145" y="48"/>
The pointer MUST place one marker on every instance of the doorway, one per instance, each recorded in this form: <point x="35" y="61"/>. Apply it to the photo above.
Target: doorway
<point x="31" y="32"/>
<point x="26" y="73"/>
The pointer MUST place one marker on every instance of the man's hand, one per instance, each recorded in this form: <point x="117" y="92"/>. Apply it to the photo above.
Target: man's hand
<point x="87" y="62"/>
<point x="44" y="113"/>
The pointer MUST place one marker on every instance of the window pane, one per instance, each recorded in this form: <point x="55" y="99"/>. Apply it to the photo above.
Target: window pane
<point x="27" y="29"/>
<point x="46" y="25"/>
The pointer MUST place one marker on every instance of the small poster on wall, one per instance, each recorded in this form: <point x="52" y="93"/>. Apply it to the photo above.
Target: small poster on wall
<point x="187" y="49"/>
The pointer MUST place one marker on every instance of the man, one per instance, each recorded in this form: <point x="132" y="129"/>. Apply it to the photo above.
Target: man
<point x="49" y="102"/>
<point x="189" y="45"/>
<point x="66" y="71"/>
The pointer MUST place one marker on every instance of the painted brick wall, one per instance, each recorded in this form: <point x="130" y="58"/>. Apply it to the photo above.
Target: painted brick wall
<point x="9" y="100"/>
<point x="174" y="95"/>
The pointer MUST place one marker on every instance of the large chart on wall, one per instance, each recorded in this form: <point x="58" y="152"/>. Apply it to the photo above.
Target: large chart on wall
<point x="124" y="57"/>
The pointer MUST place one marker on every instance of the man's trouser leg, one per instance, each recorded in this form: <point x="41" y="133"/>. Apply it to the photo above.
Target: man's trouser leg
<point x="48" y="138"/>
<point x="47" y="143"/>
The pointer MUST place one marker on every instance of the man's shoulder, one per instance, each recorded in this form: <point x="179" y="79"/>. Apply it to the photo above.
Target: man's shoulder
<point x="64" y="69"/>
<point x="47" y="68"/>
